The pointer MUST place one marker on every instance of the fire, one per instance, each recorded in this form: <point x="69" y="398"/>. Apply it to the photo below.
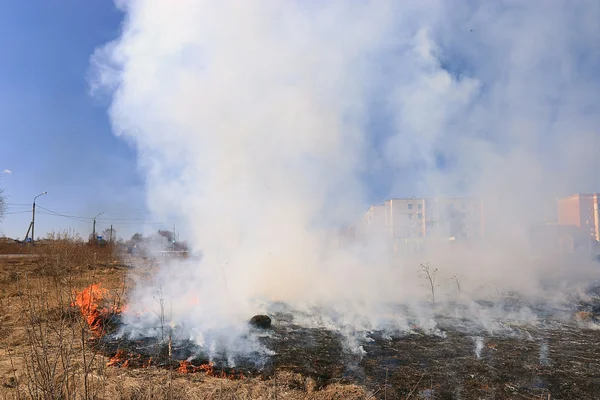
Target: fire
<point x="186" y="367"/>
<point x="89" y="303"/>
<point x="119" y="359"/>
<point x="126" y="359"/>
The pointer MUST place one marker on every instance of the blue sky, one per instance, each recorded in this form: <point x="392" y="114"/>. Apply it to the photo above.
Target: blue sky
<point x="460" y="99"/>
<point x="55" y="137"/>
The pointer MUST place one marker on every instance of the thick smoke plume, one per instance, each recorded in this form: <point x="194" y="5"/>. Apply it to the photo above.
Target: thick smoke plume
<point x="266" y="126"/>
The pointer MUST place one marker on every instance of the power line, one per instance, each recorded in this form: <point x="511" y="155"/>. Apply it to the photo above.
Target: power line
<point x="132" y="223"/>
<point x="74" y="217"/>
<point x="128" y="222"/>
<point x="59" y="213"/>
<point x="12" y="208"/>
<point x="121" y="219"/>
<point x="65" y="213"/>
<point x="64" y="216"/>
<point x="106" y="221"/>
<point x="73" y="213"/>
<point x="127" y="213"/>
<point x="17" y="212"/>
<point x="136" y="217"/>
<point x="105" y="215"/>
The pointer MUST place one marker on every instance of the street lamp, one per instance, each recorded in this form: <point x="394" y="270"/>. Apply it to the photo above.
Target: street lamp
<point x="33" y="217"/>
<point x="94" y="227"/>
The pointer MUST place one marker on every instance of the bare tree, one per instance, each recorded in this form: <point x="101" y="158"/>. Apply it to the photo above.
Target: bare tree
<point x="425" y="272"/>
<point x="109" y="234"/>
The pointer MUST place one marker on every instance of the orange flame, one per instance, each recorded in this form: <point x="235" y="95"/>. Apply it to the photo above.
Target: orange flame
<point x="125" y="359"/>
<point x="88" y="301"/>
<point x="147" y="363"/>
<point x="119" y="359"/>
<point x="186" y="367"/>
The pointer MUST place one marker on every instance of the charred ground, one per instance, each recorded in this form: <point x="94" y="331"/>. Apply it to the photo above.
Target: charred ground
<point x="458" y="360"/>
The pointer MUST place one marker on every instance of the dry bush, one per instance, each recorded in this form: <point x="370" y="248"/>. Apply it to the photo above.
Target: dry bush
<point x="11" y="247"/>
<point x="65" y="255"/>
<point x="45" y="339"/>
<point x="49" y="340"/>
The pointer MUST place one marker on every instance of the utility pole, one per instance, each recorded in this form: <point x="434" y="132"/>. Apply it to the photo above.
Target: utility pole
<point x="94" y="226"/>
<point x="111" y="233"/>
<point x="173" y="237"/>
<point x="32" y="224"/>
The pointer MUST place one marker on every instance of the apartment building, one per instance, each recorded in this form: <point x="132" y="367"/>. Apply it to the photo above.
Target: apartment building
<point x="581" y="210"/>
<point x="374" y="221"/>
<point x="405" y="217"/>
<point x="417" y="218"/>
<point x="554" y="238"/>
<point x="457" y="217"/>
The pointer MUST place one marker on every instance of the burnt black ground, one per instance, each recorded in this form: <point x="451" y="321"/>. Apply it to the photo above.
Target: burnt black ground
<point x="560" y="359"/>
<point x="563" y="361"/>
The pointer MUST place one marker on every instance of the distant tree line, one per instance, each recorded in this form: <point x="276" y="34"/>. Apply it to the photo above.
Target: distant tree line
<point x="162" y="240"/>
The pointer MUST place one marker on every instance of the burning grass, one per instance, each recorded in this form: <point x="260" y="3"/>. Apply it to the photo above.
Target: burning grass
<point x="459" y="359"/>
<point x="59" y="340"/>
<point x="186" y="367"/>
<point x="53" y="312"/>
<point x="89" y="302"/>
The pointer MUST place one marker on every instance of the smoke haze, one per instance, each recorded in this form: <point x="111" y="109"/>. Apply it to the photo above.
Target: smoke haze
<point x="265" y="126"/>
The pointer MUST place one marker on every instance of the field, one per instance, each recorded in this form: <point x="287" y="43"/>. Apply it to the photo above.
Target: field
<point x="56" y="344"/>
<point x="48" y="349"/>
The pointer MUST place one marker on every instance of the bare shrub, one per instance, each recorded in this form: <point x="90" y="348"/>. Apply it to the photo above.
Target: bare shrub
<point x="48" y="354"/>
<point x="456" y="281"/>
<point x="429" y="275"/>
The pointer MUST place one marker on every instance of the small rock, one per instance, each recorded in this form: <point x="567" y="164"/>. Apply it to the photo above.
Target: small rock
<point x="261" y="321"/>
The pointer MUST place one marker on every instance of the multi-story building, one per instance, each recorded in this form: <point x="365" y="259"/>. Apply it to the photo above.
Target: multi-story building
<point x="405" y="218"/>
<point x="375" y="217"/>
<point x="373" y="223"/>
<point x="458" y="217"/>
<point x="553" y="238"/>
<point x="416" y="218"/>
<point x="581" y="210"/>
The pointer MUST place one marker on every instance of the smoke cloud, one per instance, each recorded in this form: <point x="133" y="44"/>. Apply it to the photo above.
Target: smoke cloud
<point x="265" y="127"/>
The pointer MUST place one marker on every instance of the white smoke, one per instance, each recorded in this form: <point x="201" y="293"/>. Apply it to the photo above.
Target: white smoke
<point x="267" y="125"/>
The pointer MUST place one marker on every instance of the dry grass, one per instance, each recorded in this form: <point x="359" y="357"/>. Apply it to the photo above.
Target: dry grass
<point x="45" y="348"/>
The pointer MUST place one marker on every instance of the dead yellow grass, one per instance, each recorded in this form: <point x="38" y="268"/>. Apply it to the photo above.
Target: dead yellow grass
<point x="46" y="353"/>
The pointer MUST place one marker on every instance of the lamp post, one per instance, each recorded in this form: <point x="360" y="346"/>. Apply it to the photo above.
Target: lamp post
<point x="33" y="217"/>
<point x="94" y="226"/>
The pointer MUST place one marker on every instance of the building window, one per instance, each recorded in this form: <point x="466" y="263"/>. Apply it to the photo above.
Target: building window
<point x="410" y="206"/>
<point x="420" y="215"/>
<point x="410" y="216"/>
<point x="420" y="206"/>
